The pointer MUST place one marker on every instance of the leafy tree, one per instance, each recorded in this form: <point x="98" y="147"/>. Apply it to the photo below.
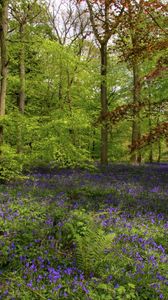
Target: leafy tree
<point x="104" y="17"/>
<point x="24" y="13"/>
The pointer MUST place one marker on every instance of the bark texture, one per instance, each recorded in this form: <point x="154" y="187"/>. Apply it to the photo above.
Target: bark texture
<point x="4" y="59"/>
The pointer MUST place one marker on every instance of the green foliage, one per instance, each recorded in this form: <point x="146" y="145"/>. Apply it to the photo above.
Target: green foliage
<point x="63" y="94"/>
<point x="126" y="292"/>
<point x="63" y="236"/>
<point x="89" y="241"/>
<point x="11" y="164"/>
<point x="51" y="250"/>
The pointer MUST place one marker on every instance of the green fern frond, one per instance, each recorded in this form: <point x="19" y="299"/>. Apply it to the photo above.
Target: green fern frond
<point x="89" y="240"/>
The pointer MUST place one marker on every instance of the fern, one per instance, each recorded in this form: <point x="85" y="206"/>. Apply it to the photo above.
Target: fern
<point x="90" y="242"/>
<point x="89" y="251"/>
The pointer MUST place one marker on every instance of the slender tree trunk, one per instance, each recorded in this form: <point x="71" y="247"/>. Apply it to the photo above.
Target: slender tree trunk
<point x="150" y="129"/>
<point x="104" y="104"/>
<point x="159" y="146"/>
<point x="22" y="70"/>
<point x="159" y="151"/>
<point x="22" y="96"/>
<point x="136" y="131"/>
<point x="151" y="154"/>
<point x="69" y="103"/>
<point x="4" y="59"/>
<point x="60" y="87"/>
<point x="68" y="92"/>
<point x="93" y="144"/>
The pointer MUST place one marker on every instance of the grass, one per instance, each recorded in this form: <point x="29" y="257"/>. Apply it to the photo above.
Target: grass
<point x="75" y="234"/>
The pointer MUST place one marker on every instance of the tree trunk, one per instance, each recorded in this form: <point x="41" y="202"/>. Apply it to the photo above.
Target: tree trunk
<point x="22" y="96"/>
<point x="93" y="144"/>
<point x="151" y="148"/>
<point x="60" y="87"/>
<point x="4" y="59"/>
<point x="151" y="154"/>
<point x="159" y="146"/>
<point x="104" y="104"/>
<point x="159" y="151"/>
<point x="150" y="129"/>
<point x="136" y="156"/>
<point x="22" y="70"/>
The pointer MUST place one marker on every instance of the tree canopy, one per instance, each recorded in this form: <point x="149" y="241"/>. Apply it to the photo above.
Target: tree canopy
<point x="82" y="81"/>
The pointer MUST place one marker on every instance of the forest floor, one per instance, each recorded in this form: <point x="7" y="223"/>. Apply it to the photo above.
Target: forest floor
<point x="79" y="234"/>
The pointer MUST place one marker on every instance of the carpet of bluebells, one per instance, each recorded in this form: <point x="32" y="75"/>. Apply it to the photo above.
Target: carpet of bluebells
<point x="79" y="234"/>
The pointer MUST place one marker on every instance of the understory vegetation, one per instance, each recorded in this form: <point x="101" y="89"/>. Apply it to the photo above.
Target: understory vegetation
<point x="78" y="234"/>
<point x="83" y="150"/>
<point x="82" y="81"/>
